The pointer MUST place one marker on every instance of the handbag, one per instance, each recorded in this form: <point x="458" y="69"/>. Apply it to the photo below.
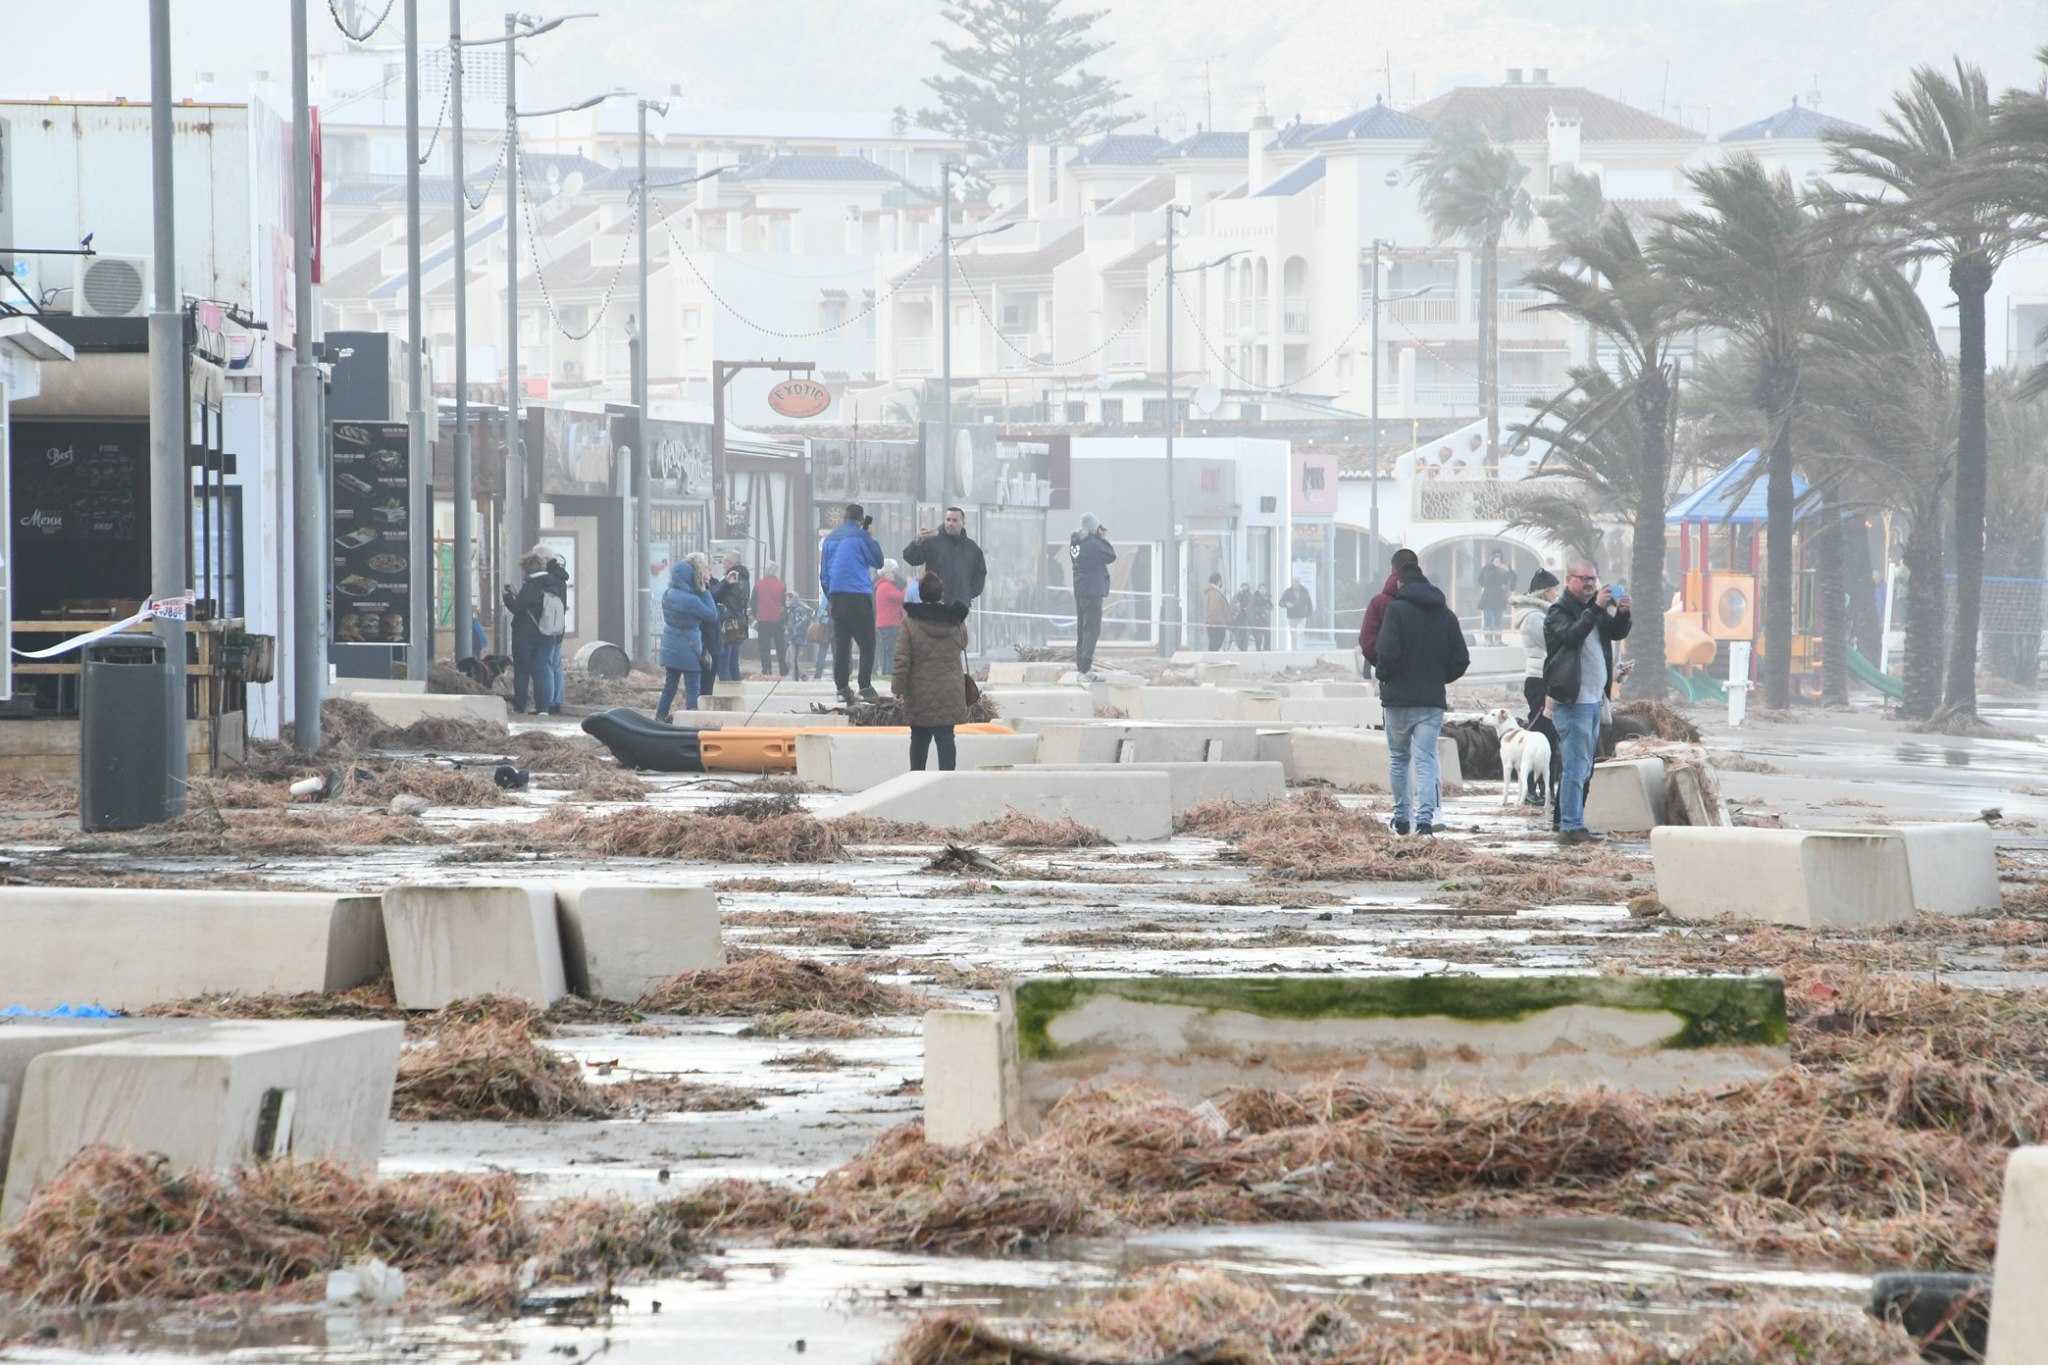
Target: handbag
<point x="734" y="630"/>
<point x="973" y="691"/>
<point x="817" y="632"/>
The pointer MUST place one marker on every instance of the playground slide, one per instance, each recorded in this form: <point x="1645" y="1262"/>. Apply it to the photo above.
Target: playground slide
<point x="1698" y="687"/>
<point x="1867" y="673"/>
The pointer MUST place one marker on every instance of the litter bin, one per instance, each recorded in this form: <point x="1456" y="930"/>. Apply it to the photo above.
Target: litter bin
<point x="128" y="720"/>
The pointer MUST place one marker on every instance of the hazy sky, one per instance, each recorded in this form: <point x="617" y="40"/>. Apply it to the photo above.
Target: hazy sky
<point x="1712" y="64"/>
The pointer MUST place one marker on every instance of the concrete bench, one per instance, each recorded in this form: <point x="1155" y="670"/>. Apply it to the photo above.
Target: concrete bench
<point x="619" y="942"/>
<point x="130" y="947"/>
<point x="211" y="1096"/>
<point x="351" y="687"/>
<point x="452" y="942"/>
<point x="1357" y="712"/>
<point x="1627" y="796"/>
<point x="853" y="761"/>
<point x="1045" y="703"/>
<point x="22" y="1040"/>
<point x="1190" y="784"/>
<point x="1174" y="703"/>
<point x="1356" y="760"/>
<point x="1012" y="673"/>
<point x="1125" y="741"/>
<point x="2019" y="1315"/>
<point x="1806" y="878"/>
<point x="1197" y="1036"/>
<point x="1953" y="868"/>
<point x="1123" y="806"/>
<point x="400" y="709"/>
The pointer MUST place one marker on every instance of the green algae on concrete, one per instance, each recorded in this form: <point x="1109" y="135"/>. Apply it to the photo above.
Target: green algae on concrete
<point x="1717" y="1011"/>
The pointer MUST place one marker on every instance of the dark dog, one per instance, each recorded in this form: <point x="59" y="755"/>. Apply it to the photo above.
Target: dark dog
<point x="1478" y="749"/>
<point x="484" y="671"/>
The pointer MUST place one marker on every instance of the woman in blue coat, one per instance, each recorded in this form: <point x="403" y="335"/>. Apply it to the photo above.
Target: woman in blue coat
<point x="687" y="615"/>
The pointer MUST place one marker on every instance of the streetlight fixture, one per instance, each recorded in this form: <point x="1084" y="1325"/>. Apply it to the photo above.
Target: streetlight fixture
<point x="946" y="240"/>
<point x="1169" y="633"/>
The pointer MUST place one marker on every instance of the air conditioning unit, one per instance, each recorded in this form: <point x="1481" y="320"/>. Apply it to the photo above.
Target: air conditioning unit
<point x="571" y="370"/>
<point x="111" y="287"/>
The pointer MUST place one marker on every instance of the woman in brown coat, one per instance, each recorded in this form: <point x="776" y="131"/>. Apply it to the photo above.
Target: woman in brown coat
<point x="930" y="668"/>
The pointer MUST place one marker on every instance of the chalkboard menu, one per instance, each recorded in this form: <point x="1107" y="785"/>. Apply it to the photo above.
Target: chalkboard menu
<point x="81" y="513"/>
<point x="372" y="535"/>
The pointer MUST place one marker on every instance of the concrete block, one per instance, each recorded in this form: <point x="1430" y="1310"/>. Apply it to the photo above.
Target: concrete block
<point x="1277" y="746"/>
<point x="399" y="709"/>
<point x="1197" y="1036"/>
<point x="354" y="687"/>
<point x="1190" y="784"/>
<point x="1123" y="741"/>
<point x="128" y="948"/>
<point x="1488" y="660"/>
<point x="1807" y="878"/>
<point x="852" y="761"/>
<point x="1627" y="796"/>
<point x="1173" y="703"/>
<point x="1122" y="806"/>
<point x="1050" y="703"/>
<point x="1953" y="867"/>
<point x="451" y="942"/>
<point x="1361" y="713"/>
<point x="1218" y="672"/>
<point x="620" y="942"/>
<point x="1328" y="688"/>
<point x="23" y="1040"/>
<point x="213" y="1096"/>
<point x="1012" y="673"/>
<point x="2019" y="1312"/>
<point x="1356" y="760"/>
<point x="970" y="1062"/>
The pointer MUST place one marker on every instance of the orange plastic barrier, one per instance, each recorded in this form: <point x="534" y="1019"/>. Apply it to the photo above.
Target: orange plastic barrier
<point x="747" y="749"/>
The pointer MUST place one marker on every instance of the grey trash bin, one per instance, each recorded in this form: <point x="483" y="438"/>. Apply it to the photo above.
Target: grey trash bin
<point x="125" y="732"/>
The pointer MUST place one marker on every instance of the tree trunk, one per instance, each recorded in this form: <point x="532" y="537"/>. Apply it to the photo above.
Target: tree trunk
<point x="1862" y="588"/>
<point x="1830" y="583"/>
<point x="1920" y="669"/>
<point x="1489" y="344"/>
<point x="1778" y="566"/>
<point x="1646" y="560"/>
<point x="1970" y="278"/>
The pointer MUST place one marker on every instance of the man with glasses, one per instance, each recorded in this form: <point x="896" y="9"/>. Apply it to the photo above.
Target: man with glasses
<point x="1579" y="633"/>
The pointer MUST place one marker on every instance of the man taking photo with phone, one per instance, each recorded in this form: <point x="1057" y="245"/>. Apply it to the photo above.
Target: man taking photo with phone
<point x="953" y="555"/>
<point x="1579" y="633"/>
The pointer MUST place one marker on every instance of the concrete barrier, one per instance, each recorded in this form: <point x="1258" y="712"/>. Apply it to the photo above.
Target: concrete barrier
<point x="400" y="709"/>
<point x="452" y="942"/>
<point x="1197" y="1036"/>
<point x="352" y="687"/>
<point x="1327" y="688"/>
<point x="1123" y="806"/>
<point x="969" y="1075"/>
<point x="1190" y="784"/>
<point x="1218" y="672"/>
<point x="1953" y="867"/>
<point x="1174" y="703"/>
<point x="2019" y="1316"/>
<point x="1362" y="713"/>
<point x="1012" y="673"/>
<point x="1265" y="662"/>
<point x="1488" y="660"/>
<point x="130" y="947"/>
<point x="23" y="1040"/>
<point x="1627" y="796"/>
<point x="620" y="942"/>
<point x="212" y="1096"/>
<point x="850" y="761"/>
<point x="1046" y="703"/>
<point x="1123" y="741"/>
<point x="1356" y="760"/>
<point x="1806" y="878"/>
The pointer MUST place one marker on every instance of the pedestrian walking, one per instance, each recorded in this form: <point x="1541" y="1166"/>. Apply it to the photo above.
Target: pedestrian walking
<point x="688" y="617"/>
<point x="1421" y="651"/>
<point x="554" y="629"/>
<point x="1376" y="610"/>
<point x="1579" y="634"/>
<point x="952" y="554"/>
<point x="1216" y="612"/>
<point x="931" y="672"/>
<point x="1298" y="604"/>
<point x="846" y="573"/>
<point x="797" y="617"/>
<point x="1496" y="584"/>
<point x="734" y="594"/>
<point x="1262" y="617"/>
<point x="1526" y="614"/>
<point x="769" y="616"/>
<point x="888" y="615"/>
<point x="1092" y="554"/>
<point x="530" y="609"/>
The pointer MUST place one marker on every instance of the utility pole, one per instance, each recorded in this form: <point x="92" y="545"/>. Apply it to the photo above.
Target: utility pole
<point x="1373" y="517"/>
<point x="311" y="561"/>
<point x="945" y="311"/>
<point x="465" y="501"/>
<point x="1169" y="631"/>
<point x="643" y="466"/>
<point x="515" y="541"/>
<point x="170" y="477"/>
<point x="420" y="499"/>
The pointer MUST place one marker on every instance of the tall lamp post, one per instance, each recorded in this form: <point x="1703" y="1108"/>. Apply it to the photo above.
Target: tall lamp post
<point x="420" y="459"/>
<point x="1373" y="518"/>
<point x="1169" y="632"/>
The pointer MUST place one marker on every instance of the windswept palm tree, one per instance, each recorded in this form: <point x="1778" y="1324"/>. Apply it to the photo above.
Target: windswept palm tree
<point x="1471" y="190"/>
<point x="1607" y="282"/>
<point x="1748" y="263"/>
<point x="1590" y="477"/>
<point x="1930" y="165"/>
<point x="1575" y="206"/>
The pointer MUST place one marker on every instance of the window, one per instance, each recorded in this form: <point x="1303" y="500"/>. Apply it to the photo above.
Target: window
<point x="1077" y="411"/>
<point x="1013" y="317"/>
<point x="1252" y="412"/>
<point x="1112" y="410"/>
<point x="831" y="313"/>
<point x="1155" y="409"/>
<point x="691" y="319"/>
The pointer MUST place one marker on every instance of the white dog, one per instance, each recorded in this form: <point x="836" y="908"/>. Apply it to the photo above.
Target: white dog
<point x="1524" y="759"/>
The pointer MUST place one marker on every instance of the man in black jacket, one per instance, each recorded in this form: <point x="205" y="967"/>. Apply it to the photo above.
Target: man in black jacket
<point x="1421" y="651"/>
<point x="1579" y="633"/>
<point x="1092" y="554"/>
<point x="953" y="555"/>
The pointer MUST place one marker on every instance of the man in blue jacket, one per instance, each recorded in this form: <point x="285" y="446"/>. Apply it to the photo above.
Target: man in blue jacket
<point x="846" y="573"/>
<point x="1092" y="554"/>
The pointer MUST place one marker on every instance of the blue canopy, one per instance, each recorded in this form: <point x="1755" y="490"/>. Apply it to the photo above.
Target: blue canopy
<point x="1717" y="499"/>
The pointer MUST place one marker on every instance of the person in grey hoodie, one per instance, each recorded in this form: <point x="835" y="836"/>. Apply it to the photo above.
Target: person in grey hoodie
<point x="1092" y="554"/>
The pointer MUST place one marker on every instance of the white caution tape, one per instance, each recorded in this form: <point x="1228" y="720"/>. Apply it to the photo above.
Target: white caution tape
<point x="167" y="609"/>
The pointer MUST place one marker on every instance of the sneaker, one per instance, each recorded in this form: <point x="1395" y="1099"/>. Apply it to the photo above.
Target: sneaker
<point x="1581" y="836"/>
<point x="1400" y="826"/>
<point x="868" y="694"/>
<point x="1425" y="828"/>
<point x="846" y="695"/>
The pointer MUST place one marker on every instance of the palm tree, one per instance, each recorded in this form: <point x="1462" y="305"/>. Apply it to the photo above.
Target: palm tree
<point x="1930" y="165"/>
<point x="1748" y="264"/>
<point x="1607" y="282"/>
<point x="1575" y="206"/>
<point x="2014" y="546"/>
<point x="1593" y="470"/>
<point x="1471" y="190"/>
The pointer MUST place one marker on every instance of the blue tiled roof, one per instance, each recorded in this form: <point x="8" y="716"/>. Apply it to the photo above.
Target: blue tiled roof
<point x="1296" y="135"/>
<point x="814" y="168"/>
<point x="1296" y="180"/>
<point x="1717" y="501"/>
<point x="1120" y="149"/>
<point x="536" y="166"/>
<point x="1232" y="146"/>
<point x="434" y="260"/>
<point x="1794" y="122"/>
<point x="1377" y="122"/>
<point x="1009" y="159"/>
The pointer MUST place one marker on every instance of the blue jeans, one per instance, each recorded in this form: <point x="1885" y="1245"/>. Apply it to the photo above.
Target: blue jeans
<point x="1411" y="750"/>
<point x="729" y="661"/>
<point x="530" y="667"/>
<point x="1578" y="725"/>
<point x="688" y="679"/>
<point x="885" y="650"/>
<point x="557" y="691"/>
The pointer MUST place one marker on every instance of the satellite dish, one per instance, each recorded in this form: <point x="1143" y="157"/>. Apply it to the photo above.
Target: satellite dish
<point x="1207" y="397"/>
<point x="572" y="185"/>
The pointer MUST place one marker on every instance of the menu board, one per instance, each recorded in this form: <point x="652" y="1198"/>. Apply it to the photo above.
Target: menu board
<point x="372" y="533"/>
<point x="80" y="516"/>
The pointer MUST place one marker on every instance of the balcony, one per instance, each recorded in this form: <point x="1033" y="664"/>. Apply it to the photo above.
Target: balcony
<point x="1294" y="315"/>
<point x="1437" y="308"/>
<point x="1128" y="351"/>
<point x="1521" y="305"/>
<point x="1468" y="495"/>
<point x="914" y="355"/>
<point x="1449" y="399"/>
<point x="1015" y="349"/>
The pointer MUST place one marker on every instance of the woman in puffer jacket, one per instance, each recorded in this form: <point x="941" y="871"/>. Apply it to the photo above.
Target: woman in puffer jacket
<point x="688" y="619"/>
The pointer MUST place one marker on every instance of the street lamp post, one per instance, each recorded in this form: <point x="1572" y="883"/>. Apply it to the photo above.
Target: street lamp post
<point x="946" y="311"/>
<point x="1373" y="518"/>
<point x="420" y="460"/>
<point x="1170" y="625"/>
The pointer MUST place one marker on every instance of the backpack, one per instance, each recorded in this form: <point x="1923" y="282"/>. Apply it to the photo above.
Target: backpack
<point x="554" y="615"/>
